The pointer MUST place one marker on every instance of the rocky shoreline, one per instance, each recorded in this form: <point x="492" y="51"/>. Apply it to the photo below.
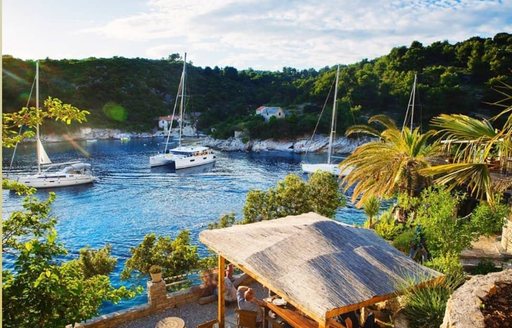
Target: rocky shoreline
<point x="318" y="144"/>
<point x="301" y="145"/>
<point x="96" y="134"/>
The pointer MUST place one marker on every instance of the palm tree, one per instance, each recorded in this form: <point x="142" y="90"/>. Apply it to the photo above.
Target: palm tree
<point x="371" y="208"/>
<point x="390" y="165"/>
<point x="477" y="148"/>
<point x="480" y="148"/>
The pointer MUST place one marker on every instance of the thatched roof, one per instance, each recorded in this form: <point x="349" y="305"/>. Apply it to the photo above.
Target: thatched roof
<point x="321" y="266"/>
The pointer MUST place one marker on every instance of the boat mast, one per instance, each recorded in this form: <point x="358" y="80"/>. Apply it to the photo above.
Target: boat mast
<point x="410" y="105"/>
<point x="333" y="120"/>
<point x="182" y="96"/>
<point x="38" y="140"/>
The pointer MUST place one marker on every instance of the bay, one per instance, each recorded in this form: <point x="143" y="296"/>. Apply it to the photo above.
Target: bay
<point x="131" y="200"/>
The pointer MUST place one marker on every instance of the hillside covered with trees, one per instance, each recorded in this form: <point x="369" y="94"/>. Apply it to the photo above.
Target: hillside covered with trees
<point x="130" y="93"/>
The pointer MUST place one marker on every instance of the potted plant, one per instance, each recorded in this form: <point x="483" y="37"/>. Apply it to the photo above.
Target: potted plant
<point x="156" y="273"/>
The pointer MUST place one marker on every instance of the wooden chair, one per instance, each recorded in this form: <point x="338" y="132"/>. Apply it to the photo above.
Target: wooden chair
<point x="208" y="324"/>
<point x="246" y="319"/>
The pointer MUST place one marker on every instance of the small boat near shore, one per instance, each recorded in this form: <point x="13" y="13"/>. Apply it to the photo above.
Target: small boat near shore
<point x="329" y="167"/>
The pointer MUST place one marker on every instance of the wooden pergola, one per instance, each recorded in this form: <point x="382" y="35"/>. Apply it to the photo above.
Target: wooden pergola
<point x="322" y="267"/>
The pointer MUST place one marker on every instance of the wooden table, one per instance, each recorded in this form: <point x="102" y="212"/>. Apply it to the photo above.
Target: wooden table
<point x="295" y="319"/>
<point x="171" y="322"/>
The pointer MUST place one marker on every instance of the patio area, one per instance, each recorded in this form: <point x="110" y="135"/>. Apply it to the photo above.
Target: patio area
<point x="193" y="313"/>
<point x="321" y="268"/>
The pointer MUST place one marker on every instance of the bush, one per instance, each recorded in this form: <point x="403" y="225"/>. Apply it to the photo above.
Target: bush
<point x="485" y="267"/>
<point x="175" y="257"/>
<point x="294" y="196"/>
<point x="387" y="227"/>
<point x="487" y="220"/>
<point x="227" y="220"/>
<point x="403" y="241"/>
<point x="425" y="306"/>
<point x="155" y="269"/>
<point x="437" y="214"/>
<point x="449" y="264"/>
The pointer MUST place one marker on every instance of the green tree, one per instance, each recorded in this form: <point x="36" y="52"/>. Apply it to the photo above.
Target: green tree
<point x="175" y="257"/>
<point x="40" y="289"/>
<point x="53" y="109"/>
<point x="293" y="196"/>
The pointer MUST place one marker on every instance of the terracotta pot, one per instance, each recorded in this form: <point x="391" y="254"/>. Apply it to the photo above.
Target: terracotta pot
<point x="156" y="277"/>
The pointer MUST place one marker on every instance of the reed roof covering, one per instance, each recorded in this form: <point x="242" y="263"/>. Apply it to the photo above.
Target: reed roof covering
<point x="321" y="266"/>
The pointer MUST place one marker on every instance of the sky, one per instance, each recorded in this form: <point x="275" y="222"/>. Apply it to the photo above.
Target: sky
<point x="258" y="34"/>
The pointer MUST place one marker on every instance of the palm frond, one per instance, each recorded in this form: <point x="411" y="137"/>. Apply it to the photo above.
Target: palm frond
<point x="384" y="120"/>
<point x="362" y="129"/>
<point x="475" y="176"/>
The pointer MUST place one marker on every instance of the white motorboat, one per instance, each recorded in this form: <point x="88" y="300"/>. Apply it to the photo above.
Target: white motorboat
<point x="70" y="174"/>
<point x="182" y="157"/>
<point x="329" y="166"/>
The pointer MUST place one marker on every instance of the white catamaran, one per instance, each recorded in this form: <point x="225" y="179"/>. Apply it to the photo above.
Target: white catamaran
<point x="54" y="175"/>
<point x="182" y="156"/>
<point x="329" y="166"/>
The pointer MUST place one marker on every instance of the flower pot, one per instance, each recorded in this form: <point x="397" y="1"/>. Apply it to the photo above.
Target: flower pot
<point x="156" y="277"/>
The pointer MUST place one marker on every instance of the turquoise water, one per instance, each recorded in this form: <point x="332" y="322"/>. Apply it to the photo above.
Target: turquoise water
<point x="131" y="200"/>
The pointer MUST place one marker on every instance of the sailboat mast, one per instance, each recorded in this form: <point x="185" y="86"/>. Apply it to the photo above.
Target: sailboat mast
<point x="413" y="99"/>
<point x="38" y="153"/>
<point x="333" y="120"/>
<point x="410" y="106"/>
<point x="182" y="96"/>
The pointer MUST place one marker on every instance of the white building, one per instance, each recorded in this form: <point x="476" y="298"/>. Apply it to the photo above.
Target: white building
<point x="164" y="122"/>
<point x="268" y="112"/>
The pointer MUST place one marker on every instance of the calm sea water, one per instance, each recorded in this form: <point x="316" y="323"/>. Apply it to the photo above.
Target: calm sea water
<point x="131" y="200"/>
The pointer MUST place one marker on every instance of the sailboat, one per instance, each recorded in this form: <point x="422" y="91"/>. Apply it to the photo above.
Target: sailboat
<point x="63" y="174"/>
<point x="182" y="157"/>
<point x="329" y="166"/>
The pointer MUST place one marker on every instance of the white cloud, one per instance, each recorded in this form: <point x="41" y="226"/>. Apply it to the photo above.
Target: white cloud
<point x="267" y="34"/>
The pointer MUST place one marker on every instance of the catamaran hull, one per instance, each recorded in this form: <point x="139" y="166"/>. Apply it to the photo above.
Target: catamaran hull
<point x="186" y="162"/>
<point x="330" y="168"/>
<point x="48" y="181"/>
<point x="181" y="162"/>
<point x="161" y="160"/>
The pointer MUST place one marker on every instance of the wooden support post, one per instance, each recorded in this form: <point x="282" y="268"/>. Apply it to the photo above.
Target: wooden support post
<point x="220" y="291"/>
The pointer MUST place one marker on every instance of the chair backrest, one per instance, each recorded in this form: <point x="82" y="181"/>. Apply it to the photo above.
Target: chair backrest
<point x="246" y="319"/>
<point x="208" y="324"/>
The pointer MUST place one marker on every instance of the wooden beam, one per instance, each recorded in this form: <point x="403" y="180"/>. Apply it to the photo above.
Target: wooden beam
<point x="220" y="291"/>
<point x="269" y="284"/>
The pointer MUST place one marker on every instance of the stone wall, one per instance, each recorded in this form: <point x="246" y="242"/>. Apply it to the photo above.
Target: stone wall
<point x="463" y="307"/>
<point x="506" y="237"/>
<point x="158" y="300"/>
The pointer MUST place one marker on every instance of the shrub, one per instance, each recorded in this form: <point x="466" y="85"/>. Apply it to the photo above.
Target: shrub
<point x="485" y="267"/>
<point x="227" y="220"/>
<point x="437" y="214"/>
<point x="425" y="306"/>
<point x="387" y="227"/>
<point x="175" y="257"/>
<point x="403" y="241"/>
<point x="371" y="209"/>
<point x="487" y="220"/>
<point x="293" y="196"/>
<point x="155" y="269"/>
<point x="449" y="264"/>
